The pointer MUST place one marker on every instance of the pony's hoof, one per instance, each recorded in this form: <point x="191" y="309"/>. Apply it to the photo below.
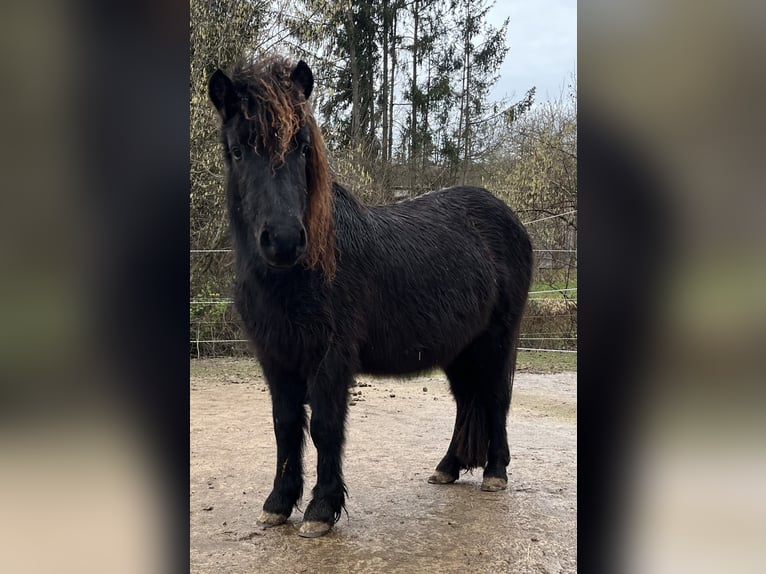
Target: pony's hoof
<point x="439" y="477"/>
<point x="269" y="519"/>
<point x="493" y="484"/>
<point x="314" y="529"/>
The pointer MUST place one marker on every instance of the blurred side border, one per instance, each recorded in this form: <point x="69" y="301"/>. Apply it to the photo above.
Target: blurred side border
<point x="94" y="254"/>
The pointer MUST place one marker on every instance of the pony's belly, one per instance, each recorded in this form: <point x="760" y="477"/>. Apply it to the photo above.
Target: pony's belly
<point x="382" y="361"/>
<point x="414" y="337"/>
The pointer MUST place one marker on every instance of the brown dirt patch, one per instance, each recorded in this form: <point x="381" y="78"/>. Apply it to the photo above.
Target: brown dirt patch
<point x="396" y="522"/>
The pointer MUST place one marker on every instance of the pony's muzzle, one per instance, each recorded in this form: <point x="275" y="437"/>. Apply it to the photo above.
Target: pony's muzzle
<point x="282" y="244"/>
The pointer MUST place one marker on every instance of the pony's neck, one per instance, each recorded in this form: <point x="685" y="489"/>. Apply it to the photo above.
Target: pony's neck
<point x="342" y="196"/>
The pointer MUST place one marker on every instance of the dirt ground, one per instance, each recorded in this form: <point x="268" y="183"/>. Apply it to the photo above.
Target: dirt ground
<point x="397" y="431"/>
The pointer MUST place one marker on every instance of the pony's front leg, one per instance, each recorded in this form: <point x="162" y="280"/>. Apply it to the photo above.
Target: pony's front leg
<point x="288" y="393"/>
<point x="328" y="399"/>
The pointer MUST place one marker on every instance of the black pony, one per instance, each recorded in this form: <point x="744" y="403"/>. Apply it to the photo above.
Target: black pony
<point x="328" y="288"/>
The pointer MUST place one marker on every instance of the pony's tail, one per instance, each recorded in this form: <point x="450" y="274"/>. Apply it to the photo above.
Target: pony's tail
<point x="472" y="436"/>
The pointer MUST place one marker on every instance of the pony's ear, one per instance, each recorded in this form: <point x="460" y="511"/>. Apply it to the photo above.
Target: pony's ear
<point x="303" y="78"/>
<point x="221" y="92"/>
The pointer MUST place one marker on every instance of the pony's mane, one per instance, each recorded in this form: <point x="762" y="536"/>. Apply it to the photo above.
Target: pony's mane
<point x="277" y="110"/>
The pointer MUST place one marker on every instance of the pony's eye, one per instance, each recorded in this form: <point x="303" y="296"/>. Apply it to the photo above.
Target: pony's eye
<point x="304" y="149"/>
<point x="236" y="153"/>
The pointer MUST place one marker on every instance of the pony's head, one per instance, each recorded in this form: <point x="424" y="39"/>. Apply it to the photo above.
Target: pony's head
<point x="278" y="172"/>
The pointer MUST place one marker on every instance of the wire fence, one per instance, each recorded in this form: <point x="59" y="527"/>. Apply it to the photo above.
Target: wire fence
<point x="549" y="324"/>
<point x="229" y="301"/>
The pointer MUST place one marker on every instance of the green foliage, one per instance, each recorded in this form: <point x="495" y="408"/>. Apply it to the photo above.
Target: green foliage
<point x="211" y="308"/>
<point x="521" y="107"/>
<point x="536" y="362"/>
<point x="213" y="318"/>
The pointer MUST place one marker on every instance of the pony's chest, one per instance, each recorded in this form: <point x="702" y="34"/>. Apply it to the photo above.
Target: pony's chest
<point x="287" y="328"/>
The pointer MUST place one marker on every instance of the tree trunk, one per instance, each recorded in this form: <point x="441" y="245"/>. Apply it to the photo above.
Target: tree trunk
<point x="384" y="90"/>
<point x="392" y="88"/>
<point x="460" y="128"/>
<point x="414" y="85"/>
<point x="467" y="98"/>
<point x="426" y="128"/>
<point x="353" y="61"/>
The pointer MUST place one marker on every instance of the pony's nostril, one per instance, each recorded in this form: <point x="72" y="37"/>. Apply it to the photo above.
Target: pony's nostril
<point x="265" y="238"/>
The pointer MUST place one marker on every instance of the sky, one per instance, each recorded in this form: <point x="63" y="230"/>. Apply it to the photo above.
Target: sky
<point x="542" y="36"/>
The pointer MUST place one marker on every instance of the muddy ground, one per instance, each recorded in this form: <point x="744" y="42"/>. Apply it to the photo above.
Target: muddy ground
<point x="397" y="431"/>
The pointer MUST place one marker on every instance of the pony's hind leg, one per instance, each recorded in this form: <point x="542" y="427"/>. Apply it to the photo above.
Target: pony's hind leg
<point x="498" y="454"/>
<point x="287" y="395"/>
<point x="499" y="368"/>
<point x="481" y="384"/>
<point x="470" y="438"/>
